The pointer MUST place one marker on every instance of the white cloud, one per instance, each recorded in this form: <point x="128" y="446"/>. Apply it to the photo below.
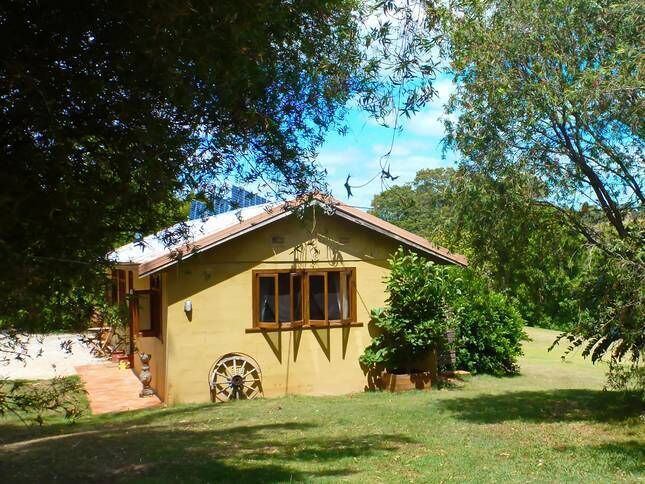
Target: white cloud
<point x="427" y="123"/>
<point x="444" y="87"/>
<point x="407" y="158"/>
<point x="339" y="159"/>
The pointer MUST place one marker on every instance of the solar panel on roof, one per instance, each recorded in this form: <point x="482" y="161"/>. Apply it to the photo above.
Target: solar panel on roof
<point x="236" y="198"/>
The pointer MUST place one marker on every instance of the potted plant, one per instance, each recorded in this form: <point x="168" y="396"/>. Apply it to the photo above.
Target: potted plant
<point x="411" y="330"/>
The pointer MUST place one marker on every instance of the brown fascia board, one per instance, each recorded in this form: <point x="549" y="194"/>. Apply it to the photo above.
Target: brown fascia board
<point x="274" y="214"/>
<point x="402" y="235"/>
<point x="212" y="240"/>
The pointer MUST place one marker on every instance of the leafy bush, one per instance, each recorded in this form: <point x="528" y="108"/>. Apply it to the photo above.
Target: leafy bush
<point x="611" y="323"/>
<point x="425" y="300"/>
<point x="36" y="400"/>
<point x="416" y="319"/>
<point x="490" y="328"/>
<point x="626" y="378"/>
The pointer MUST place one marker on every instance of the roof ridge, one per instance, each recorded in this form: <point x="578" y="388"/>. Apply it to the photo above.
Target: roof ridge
<point x="277" y="211"/>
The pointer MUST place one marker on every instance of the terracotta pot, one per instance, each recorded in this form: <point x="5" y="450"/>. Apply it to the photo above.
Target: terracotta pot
<point x="118" y="356"/>
<point x="393" y="382"/>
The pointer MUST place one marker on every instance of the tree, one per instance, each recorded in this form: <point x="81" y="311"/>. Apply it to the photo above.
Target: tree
<point x="110" y="111"/>
<point x="554" y="89"/>
<point x="424" y="206"/>
<point x="519" y="245"/>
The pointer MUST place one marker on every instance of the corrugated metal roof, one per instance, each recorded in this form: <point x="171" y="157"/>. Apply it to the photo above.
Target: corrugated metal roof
<point x="152" y="254"/>
<point x="153" y="246"/>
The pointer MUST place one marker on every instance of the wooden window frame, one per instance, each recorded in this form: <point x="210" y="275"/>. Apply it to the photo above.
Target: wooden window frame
<point x="256" y="299"/>
<point x="305" y="322"/>
<point x="113" y="293"/>
<point x="118" y="287"/>
<point x="155" y="292"/>
<point x="316" y="323"/>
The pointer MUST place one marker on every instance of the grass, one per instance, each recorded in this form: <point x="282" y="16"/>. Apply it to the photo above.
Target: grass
<point x="551" y="423"/>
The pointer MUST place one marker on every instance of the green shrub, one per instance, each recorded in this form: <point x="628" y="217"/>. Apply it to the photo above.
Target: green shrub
<point x="425" y="300"/>
<point x="416" y="319"/>
<point x="38" y="399"/>
<point x="490" y="329"/>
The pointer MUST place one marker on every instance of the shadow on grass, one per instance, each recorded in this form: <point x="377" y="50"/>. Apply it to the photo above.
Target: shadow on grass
<point x="629" y="456"/>
<point x="13" y="430"/>
<point x="547" y="406"/>
<point x="282" y="451"/>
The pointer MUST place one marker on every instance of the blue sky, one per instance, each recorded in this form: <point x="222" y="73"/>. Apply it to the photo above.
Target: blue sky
<point x="358" y="152"/>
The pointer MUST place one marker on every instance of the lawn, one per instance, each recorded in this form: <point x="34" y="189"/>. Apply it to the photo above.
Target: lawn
<point x="551" y="423"/>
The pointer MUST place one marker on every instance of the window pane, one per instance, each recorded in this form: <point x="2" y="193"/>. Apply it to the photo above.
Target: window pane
<point x="145" y="321"/>
<point x="297" y="298"/>
<point x="121" y="294"/>
<point x="155" y="281"/>
<point x="114" y="293"/>
<point x="155" y="311"/>
<point x="267" y="299"/>
<point x="284" y="297"/>
<point x="333" y="297"/>
<point x="347" y="279"/>
<point x="317" y="298"/>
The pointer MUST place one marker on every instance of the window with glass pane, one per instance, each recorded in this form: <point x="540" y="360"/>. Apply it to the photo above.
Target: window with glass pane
<point x="296" y="301"/>
<point x="334" y="296"/>
<point x="310" y="298"/>
<point x="317" y="297"/>
<point x="145" y="311"/>
<point x="346" y="287"/>
<point x="267" y="299"/>
<point x="284" y="297"/>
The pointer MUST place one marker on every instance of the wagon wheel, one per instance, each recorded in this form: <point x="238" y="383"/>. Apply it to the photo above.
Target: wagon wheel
<point x="235" y="377"/>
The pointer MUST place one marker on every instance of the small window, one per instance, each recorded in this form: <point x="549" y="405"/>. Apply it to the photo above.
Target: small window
<point x="346" y="295"/>
<point x="145" y="317"/>
<point x="278" y="299"/>
<point x="296" y="300"/>
<point x="118" y="287"/>
<point x="147" y="313"/>
<point x="309" y="298"/>
<point x="317" y="313"/>
<point x="267" y="299"/>
<point x="334" y="295"/>
<point x="284" y="298"/>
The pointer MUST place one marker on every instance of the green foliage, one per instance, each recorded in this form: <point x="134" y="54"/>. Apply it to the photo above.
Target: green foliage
<point x="554" y="88"/>
<point x="36" y="400"/>
<point x="416" y="318"/>
<point x="111" y="112"/>
<point x="425" y="206"/>
<point x="490" y="330"/>
<point x="548" y="200"/>
<point x="519" y="244"/>
<point x="425" y="301"/>
<point x="629" y="379"/>
<point x="612" y="323"/>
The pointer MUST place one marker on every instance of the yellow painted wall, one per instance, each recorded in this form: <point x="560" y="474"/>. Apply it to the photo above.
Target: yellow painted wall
<point x="219" y="284"/>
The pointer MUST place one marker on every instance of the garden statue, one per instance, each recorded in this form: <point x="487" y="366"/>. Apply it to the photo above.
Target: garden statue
<point x="145" y="376"/>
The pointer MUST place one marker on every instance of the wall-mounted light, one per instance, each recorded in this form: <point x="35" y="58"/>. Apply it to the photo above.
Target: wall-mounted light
<point x="188" y="306"/>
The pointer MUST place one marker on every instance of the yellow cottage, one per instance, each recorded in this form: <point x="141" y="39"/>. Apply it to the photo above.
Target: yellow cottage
<point x="266" y="300"/>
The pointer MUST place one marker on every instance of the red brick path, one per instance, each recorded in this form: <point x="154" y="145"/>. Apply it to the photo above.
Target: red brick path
<point x="110" y="389"/>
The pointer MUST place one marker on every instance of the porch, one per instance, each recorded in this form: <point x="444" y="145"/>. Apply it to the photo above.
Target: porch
<point x="111" y="389"/>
